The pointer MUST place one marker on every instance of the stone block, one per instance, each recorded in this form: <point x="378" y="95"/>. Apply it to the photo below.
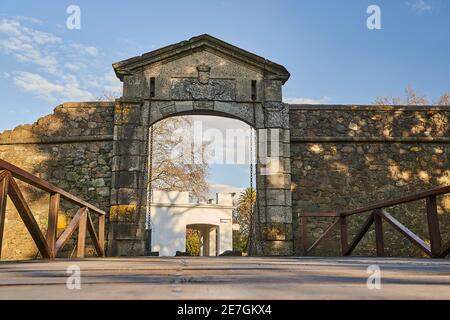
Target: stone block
<point x="278" y="214"/>
<point x="277" y="231"/>
<point x="203" y="105"/>
<point x="124" y="213"/>
<point x="278" y="181"/>
<point x="273" y="90"/>
<point x="126" y="179"/>
<point x="278" y="248"/>
<point x="132" y="132"/>
<point x="276" y="115"/>
<point x="130" y="115"/>
<point x="128" y="196"/>
<point x="124" y="231"/>
<point x="118" y="248"/>
<point x="126" y="163"/>
<point x="275" y="197"/>
<point x="134" y="85"/>
<point x="167" y="110"/>
<point x="130" y="147"/>
<point x="184" y="106"/>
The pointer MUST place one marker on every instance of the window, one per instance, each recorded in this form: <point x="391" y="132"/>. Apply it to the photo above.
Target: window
<point x="254" y="97"/>
<point x="152" y="87"/>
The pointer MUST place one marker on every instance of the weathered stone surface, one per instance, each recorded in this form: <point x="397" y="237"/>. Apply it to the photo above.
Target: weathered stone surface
<point x="337" y="174"/>
<point x="79" y="165"/>
<point x="126" y="248"/>
<point x="278" y="231"/>
<point x="330" y="158"/>
<point x="216" y="79"/>
<point x="192" y="89"/>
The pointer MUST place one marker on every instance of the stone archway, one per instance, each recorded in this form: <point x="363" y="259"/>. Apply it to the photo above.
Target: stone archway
<point x="200" y="76"/>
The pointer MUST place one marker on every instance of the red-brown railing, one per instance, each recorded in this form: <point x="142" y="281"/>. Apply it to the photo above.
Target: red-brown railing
<point x="49" y="245"/>
<point x="378" y="214"/>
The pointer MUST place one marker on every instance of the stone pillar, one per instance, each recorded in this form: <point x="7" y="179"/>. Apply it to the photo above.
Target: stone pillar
<point x="129" y="178"/>
<point x="213" y="241"/>
<point x="205" y="235"/>
<point x="273" y="177"/>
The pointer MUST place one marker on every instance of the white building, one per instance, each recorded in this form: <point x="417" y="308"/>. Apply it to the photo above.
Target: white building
<point x="172" y="213"/>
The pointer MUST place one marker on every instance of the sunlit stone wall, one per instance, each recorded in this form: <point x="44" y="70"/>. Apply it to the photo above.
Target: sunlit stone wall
<point x="71" y="148"/>
<point x="343" y="157"/>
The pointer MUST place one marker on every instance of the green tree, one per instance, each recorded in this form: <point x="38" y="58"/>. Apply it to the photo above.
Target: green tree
<point x="193" y="242"/>
<point x="244" y="217"/>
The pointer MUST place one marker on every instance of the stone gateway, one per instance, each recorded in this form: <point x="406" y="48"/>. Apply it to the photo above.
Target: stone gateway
<point x="327" y="157"/>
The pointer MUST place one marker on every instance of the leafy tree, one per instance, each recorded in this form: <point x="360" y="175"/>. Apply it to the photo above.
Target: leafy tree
<point x="193" y="242"/>
<point x="244" y="216"/>
<point x="185" y="170"/>
<point x="176" y="163"/>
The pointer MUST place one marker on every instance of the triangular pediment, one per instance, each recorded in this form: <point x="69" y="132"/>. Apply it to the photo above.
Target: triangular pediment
<point x="199" y="43"/>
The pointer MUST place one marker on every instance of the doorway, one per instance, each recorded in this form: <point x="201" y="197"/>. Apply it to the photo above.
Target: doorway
<point x="203" y="240"/>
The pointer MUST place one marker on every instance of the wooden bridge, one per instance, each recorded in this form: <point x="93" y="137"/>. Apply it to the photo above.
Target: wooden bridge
<point x="49" y="245"/>
<point x="377" y="214"/>
<point x="219" y="277"/>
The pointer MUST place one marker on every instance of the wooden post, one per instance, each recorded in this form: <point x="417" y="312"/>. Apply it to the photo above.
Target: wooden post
<point x="379" y="233"/>
<point x="82" y="234"/>
<point x="433" y="226"/>
<point x="304" y="222"/>
<point x="3" y="198"/>
<point x="101" y="232"/>
<point x="28" y="219"/>
<point x="53" y="223"/>
<point x="344" y="240"/>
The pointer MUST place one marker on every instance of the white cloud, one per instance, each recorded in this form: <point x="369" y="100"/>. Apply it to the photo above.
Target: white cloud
<point x="112" y="85"/>
<point x="36" y="84"/>
<point x="28" y="19"/>
<point x="54" y="66"/>
<point x="81" y="48"/>
<point x="322" y="100"/>
<point x="73" y="66"/>
<point x="50" y="91"/>
<point x="419" y="6"/>
<point x="26" y="44"/>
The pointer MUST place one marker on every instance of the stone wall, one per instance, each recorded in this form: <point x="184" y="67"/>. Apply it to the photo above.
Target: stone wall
<point x="71" y="148"/>
<point x="343" y="157"/>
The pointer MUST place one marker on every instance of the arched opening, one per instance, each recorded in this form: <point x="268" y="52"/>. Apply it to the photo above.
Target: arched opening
<point x="200" y="169"/>
<point x="203" y="240"/>
<point x="201" y="76"/>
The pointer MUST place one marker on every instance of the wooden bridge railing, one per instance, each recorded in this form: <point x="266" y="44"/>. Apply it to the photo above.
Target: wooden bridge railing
<point x="377" y="215"/>
<point x="49" y="245"/>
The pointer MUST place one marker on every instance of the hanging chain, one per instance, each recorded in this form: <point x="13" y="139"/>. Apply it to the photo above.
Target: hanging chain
<point x="257" y="229"/>
<point x="251" y="232"/>
<point x="150" y="180"/>
<point x="251" y="158"/>
<point x="149" y="148"/>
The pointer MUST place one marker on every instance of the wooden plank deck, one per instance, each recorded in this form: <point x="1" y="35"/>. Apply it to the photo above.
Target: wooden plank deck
<point x="226" y="278"/>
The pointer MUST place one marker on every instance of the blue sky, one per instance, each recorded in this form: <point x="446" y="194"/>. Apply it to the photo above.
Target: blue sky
<point x="332" y="56"/>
